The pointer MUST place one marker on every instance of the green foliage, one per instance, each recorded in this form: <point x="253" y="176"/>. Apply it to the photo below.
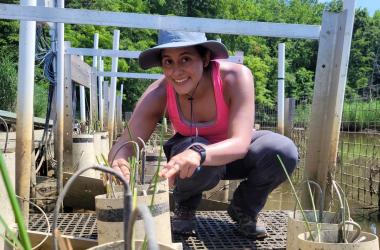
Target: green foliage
<point x="359" y="115"/>
<point x="260" y="53"/>
<point x="8" y="81"/>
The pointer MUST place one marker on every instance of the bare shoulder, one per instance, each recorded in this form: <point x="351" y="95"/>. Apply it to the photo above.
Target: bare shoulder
<point x="235" y="76"/>
<point x="154" y="98"/>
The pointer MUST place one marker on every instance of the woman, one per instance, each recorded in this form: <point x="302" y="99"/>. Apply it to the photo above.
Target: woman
<point x="210" y="104"/>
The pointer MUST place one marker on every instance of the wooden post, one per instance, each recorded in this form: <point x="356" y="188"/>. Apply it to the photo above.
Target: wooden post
<point x="93" y="98"/>
<point x="290" y="109"/>
<point x="68" y="114"/>
<point x="330" y="82"/>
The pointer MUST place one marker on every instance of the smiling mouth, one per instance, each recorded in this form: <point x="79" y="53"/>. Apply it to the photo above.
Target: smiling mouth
<point x="181" y="80"/>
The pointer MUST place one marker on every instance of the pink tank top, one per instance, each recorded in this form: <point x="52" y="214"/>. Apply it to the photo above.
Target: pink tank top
<point x="213" y="131"/>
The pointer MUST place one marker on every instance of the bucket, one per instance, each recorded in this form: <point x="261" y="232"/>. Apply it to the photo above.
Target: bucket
<point x="296" y="225"/>
<point x="367" y="241"/>
<point x="119" y="245"/>
<point x="109" y="213"/>
<point x="101" y="144"/>
<point x="151" y="165"/>
<point x="6" y="210"/>
<point x="84" y="155"/>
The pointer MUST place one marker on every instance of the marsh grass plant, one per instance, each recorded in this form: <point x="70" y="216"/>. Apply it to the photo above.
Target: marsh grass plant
<point x="358" y="115"/>
<point x="344" y="210"/>
<point x="136" y="162"/>
<point x="24" y="241"/>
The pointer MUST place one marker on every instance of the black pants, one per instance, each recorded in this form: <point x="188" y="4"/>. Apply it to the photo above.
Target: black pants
<point x="260" y="170"/>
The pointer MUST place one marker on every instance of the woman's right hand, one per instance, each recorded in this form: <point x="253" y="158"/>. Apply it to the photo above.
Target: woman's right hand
<point x="122" y="167"/>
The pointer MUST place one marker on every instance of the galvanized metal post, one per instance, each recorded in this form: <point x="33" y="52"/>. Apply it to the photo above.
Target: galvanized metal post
<point x="24" y="124"/>
<point x="330" y="82"/>
<point x="58" y="139"/>
<point x="112" y="101"/>
<point x="281" y="88"/>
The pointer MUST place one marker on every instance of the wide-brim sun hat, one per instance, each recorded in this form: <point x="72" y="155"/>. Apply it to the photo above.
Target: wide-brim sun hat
<point x="176" y="39"/>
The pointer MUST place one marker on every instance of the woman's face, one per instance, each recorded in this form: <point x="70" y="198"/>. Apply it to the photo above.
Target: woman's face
<point x="183" y="67"/>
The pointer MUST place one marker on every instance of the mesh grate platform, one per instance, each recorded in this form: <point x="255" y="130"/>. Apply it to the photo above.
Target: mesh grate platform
<point x="80" y="225"/>
<point x="216" y="230"/>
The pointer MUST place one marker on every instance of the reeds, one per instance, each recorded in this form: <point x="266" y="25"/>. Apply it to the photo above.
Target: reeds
<point x="24" y="238"/>
<point x="295" y="194"/>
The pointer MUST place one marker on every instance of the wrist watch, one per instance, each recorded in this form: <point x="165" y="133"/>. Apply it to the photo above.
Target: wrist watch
<point x="200" y="150"/>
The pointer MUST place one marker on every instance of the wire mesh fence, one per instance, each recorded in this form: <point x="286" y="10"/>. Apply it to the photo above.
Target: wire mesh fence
<point x="359" y="149"/>
<point x="266" y="117"/>
<point x="358" y="159"/>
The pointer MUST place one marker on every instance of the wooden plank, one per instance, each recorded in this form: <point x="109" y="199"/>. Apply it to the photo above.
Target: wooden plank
<point x="94" y="98"/>
<point x="68" y="115"/>
<point x="148" y="21"/>
<point x="11" y="117"/>
<point x="80" y="71"/>
<point x="330" y="81"/>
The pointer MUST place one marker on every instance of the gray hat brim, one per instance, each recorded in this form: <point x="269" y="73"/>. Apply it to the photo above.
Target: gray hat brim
<point x="152" y="57"/>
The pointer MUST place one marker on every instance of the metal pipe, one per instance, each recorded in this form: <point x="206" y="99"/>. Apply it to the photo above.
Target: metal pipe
<point x="60" y="90"/>
<point x="281" y="88"/>
<point x="25" y="93"/>
<point x="112" y="101"/>
<point x="148" y="226"/>
<point x="127" y="199"/>
<point x="82" y="100"/>
<point x="94" y="87"/>
<point x="100" y="88"/>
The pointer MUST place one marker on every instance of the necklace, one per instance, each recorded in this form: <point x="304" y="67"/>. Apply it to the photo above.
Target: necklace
<point x="191" y="99"/>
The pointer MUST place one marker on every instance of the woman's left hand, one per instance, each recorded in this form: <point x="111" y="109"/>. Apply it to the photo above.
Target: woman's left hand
<point x="185" y="163"/>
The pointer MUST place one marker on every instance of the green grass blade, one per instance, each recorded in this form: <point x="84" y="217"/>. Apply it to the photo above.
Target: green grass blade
<point x="12" y="236"/>
<point x="295" y="194"/>
<point x="315" y="212"/>
<point x="24" y="238"/>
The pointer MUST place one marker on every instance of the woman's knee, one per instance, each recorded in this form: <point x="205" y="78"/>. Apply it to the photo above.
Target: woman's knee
<point x="267" y="152"/>
<point x="287" y="152"/>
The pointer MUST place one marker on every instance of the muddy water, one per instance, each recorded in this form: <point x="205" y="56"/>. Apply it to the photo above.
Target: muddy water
<point x="283" y="199"/>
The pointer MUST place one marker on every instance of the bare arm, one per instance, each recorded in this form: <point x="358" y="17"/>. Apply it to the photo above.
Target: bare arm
<point x="145" y="116"/>
<point x="239" y="90"/>
<point x="239" y="84"/>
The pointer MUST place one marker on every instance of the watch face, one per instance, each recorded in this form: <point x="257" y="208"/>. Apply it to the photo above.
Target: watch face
<point x="198" y="148"/>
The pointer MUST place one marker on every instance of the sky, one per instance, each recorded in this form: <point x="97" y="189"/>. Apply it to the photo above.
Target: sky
<point x="371" y="5"/>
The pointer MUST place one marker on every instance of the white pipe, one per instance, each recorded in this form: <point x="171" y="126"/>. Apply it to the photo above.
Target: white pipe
<point x="96" y="45"/>
<point x="94" y="87"/>
<point x="25" y="93"/>
<point x="100" y="88"/>
<point x="82" y="99"/>
<point x="281" y="89"/>
<point x="112" y="100"/>
<point x="121" y="110"/>
<point x="60" y="89"/>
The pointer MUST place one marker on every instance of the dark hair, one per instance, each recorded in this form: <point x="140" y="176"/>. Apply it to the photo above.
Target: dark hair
<point x="202" y="51"/>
